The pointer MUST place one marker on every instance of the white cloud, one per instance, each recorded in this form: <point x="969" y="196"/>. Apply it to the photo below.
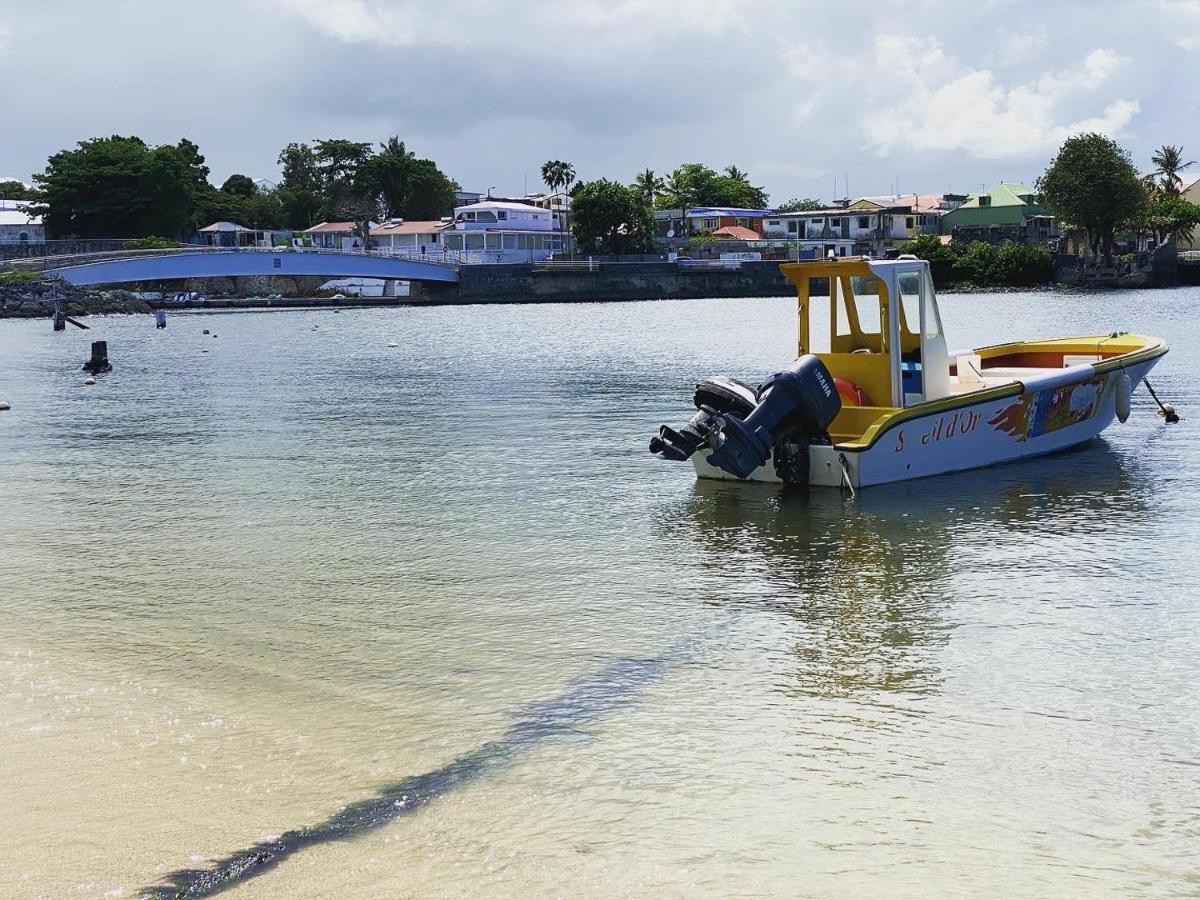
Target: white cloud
<point x="356" y="21"/>
<point x="935" y="103"/>
<point x="564" y="28"/>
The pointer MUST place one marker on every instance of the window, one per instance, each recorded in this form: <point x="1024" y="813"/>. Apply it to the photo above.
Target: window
<point x="485" y="216"/>
<point x="864" y="221"/>
<point x="818" y="221"/>
<point x="834" y="223"/>
<point x="502" y="215"/>
<point x="985" y="200"/>
<point x="709" y="224"/>
<point x="792" y="226"/>
<point x="908" y="222"/>
<point x="841" y="251"/>
<point x="23" y="237"/>
<point x="775" y="222"/>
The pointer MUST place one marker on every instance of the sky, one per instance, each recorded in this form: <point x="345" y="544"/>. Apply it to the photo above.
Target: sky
<point x="813" y="99"/>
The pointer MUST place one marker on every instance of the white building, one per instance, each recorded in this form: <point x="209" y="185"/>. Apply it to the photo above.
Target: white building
<point x="869" y="224"/>
<point x="335" y="236"/>
<point x="409" y="238"/>
<point x="500" y="231"/>
<point x="17" y="226"/>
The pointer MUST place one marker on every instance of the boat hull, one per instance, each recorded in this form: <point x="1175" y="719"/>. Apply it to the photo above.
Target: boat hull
<point x="1046" y="415"/>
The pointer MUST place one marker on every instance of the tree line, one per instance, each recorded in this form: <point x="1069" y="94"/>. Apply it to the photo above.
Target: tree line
<point x="1092" y="186"/>
<point x="122" y="187"/>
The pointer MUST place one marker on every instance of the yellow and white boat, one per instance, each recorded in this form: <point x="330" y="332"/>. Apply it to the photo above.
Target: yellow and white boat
<point x="889" y="402"/>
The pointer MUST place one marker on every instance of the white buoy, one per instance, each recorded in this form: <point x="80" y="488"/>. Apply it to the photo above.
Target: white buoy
<point x="393" y="344"/>
<point x="89" y="380"/>
<point x="1124" y="388"/>
<point x="5" y="405"/>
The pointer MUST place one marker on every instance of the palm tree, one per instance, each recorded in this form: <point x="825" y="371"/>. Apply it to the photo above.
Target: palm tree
<point x="558" y="176"/>
<point x="649" y="186"/>
<point x="737" y="174"/>
<point x="1169" y="160"/>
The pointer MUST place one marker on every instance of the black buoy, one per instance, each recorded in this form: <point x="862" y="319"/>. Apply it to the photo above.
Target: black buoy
<point x="99" y="361"/>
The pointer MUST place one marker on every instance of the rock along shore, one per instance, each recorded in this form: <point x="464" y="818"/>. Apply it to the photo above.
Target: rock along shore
<point x="33" y="300"/>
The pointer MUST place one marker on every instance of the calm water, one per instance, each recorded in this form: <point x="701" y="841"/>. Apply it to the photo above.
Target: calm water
<point x="308" y="581"/>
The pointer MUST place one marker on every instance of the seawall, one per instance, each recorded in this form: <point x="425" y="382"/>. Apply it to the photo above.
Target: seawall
<point x="525" y="283"/>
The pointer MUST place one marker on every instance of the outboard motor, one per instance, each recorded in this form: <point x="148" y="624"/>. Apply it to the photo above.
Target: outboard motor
<point x="714" y="397"/>
<point x="743" y="427"/>
<point x="801" y="402"/>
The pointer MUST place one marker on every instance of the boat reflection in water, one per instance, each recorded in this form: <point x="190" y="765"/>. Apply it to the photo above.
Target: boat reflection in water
<point x="868" y="587"/>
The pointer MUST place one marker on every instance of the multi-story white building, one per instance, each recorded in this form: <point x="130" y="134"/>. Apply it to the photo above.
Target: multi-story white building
<point x="497" y="231"/>
<point x="869" y="224"/>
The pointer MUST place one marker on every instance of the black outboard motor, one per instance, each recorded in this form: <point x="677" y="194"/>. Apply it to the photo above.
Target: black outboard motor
<point x="714" y="397"/>
<point x="801" y="401"/>
<point x="791" y="411"/>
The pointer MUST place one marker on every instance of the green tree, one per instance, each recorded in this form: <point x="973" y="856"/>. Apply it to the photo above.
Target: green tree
<point x="649" y="186"/>
<point x="239" y="186"/>
<point x="798" y="205"/>
<point x="264" y="210"/>
<point x="430" y="192"/>
<point x="404" y="186"/>
<point x="559" y="176"/>
<point x="193" y="161"/>
<point x="16" y="190"/>
<point x="1092" y="184"/>
<point x="981" y="264"/>
<point x="300" y="186"/>
<point x="338" y="161"/>
<point x="609" y="218"/>
<point x="695" y="184"/>
<point x="1171" y="217"/>
<point x="1168" y="161"/>
<point x="117" y="187"/>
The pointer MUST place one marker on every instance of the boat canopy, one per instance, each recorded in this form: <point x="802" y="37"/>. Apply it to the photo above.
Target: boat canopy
<point x="885" y="331"/>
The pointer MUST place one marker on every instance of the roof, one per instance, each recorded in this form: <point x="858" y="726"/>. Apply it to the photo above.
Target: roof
<point x="14" y="217"/>
<point x="818" y="213"/>
<point x="401" y="227"/>
<point x="12" y="212"/>
<point x="331" y="226"/>
<point x="1006" y="193"/>
<point x="737" y="232"/>
<point x="729" y="211"/>
<point x="501" y="204"/>
<point x="921" y="203"/>
<point x="224" y="226"/>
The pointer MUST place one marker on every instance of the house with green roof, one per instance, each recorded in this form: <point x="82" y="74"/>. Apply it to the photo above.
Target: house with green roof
<point x="1004" y="210"/>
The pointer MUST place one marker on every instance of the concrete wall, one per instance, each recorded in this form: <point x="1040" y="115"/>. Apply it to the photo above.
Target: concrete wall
<point x="613" y="281"/>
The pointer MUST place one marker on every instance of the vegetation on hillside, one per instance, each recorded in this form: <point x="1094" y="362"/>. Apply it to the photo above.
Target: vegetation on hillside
<point x="122" y="187"/>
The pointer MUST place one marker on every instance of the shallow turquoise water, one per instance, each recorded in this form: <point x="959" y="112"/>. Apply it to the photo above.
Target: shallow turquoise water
<point x="245" y="588"/>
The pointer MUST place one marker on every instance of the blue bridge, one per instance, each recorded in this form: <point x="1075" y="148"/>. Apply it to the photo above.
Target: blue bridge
<point x="165" y="265"/>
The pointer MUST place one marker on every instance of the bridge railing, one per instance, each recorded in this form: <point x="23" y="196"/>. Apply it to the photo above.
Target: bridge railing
<point x="61" y="261"/>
